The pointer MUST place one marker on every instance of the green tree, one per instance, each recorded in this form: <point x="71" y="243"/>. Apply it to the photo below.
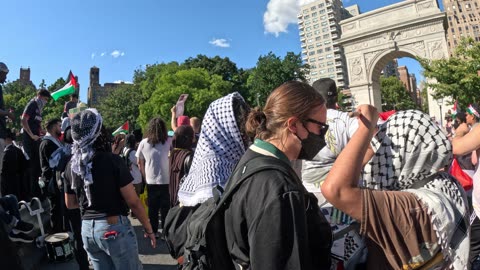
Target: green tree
<point x="457" y="77"/>
<point x="120" y="105"/>
<point x="202" y="88"/>
<point x="16" y="96"/>
<point x="147" y="80"/>
<point x="395" y="95"/>
<point x="270" y="72"/>
<point x="214" y="65"/>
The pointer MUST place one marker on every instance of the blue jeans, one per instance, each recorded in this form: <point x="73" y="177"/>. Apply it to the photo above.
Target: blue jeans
<point x="118" y="253"/>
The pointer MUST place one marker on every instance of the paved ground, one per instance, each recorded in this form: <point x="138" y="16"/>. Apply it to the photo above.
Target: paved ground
<point x="157" y="258"/>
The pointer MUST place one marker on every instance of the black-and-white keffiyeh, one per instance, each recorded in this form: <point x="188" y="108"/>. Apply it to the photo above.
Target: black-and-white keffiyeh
<point x="86" y="127"/>
<point x="410" y="147"/>
<point x="219" y="149"/>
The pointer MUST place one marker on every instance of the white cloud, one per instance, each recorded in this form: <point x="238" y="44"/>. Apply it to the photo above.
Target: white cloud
<point x="281" y="13"/>
<point x="220" y="42"/>
<point x="121" y="81"/>
<point x="117" y="53"/>
<point x="103" y="54"/>
<point x="93" y="55"/>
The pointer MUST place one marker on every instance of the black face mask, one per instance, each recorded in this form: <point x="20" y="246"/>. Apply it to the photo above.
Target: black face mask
<point x="311" y="145"/>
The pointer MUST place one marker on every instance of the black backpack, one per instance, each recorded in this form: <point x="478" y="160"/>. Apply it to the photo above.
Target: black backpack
<point x="206" y="248"/>
<point x="125" y="155"/>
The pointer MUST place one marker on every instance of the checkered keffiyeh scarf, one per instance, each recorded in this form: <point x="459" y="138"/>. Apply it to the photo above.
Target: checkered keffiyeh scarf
<point x="86" y="127"/>
<point x="219" y="148"/>
<point x="408" y="148"/>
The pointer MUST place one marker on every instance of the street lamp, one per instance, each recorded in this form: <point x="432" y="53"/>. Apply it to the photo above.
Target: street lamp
<point x="440" y="103"/>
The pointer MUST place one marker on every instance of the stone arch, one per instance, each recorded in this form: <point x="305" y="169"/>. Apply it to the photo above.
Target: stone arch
<point x="406" y="29"/>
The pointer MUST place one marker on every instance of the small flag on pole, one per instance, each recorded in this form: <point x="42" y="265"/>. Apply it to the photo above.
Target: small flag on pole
<point x="122" y="130"/>
<point x="454" y="110"/>
<point x="68" y="89"/>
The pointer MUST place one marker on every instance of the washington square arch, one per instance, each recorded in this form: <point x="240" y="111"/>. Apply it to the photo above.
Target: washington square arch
<point x="412" y="28"/>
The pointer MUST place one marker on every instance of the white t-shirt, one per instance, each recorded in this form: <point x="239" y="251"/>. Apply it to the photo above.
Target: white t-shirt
<point x="156" y="161"/>
<point x="341" y="128"/>
<point x="134" y="170"/>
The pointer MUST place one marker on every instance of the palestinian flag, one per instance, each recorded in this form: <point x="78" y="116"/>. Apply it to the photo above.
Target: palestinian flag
<point x="454" y="110"/>
<point x="122" y="130"/>
<point x="68" y="89"/>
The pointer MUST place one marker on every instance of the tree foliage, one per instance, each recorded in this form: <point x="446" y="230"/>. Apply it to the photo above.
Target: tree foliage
<point x="395" y="95"/>
<point x="121" y="105"/>
<point x="270" y="72"/>
<point x="16" y="96"/>
<point x="202" y="88"/>
<point x="456" y="77"/>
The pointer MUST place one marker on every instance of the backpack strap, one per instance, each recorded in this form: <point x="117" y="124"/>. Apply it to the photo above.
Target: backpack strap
<point x="245" y="171"/>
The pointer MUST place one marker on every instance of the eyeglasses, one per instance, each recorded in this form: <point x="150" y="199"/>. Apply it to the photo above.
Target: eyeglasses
<point x="323" y="126"/>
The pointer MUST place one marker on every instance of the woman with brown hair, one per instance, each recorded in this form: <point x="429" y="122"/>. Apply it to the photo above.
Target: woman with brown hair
<point x="152" y="159"/>
<point x="266" y="222"/>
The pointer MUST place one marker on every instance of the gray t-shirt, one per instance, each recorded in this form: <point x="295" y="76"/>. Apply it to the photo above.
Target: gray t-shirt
<point x="156" y="161"/>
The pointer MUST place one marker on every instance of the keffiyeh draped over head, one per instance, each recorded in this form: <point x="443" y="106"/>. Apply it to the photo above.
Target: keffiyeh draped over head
<point x="408" y="148"/>
<point x="86" y="127"/>
<point x="219" y="148"/>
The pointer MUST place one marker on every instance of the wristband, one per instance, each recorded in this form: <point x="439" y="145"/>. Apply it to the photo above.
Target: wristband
<point x="148" y="232"/>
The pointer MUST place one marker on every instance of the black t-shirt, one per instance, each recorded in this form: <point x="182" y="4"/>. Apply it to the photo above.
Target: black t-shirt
<point x="47" y="147"/>
<point x="34" y="116"/>
<point x="3" y="122"/>
<point x="265" y="223"/>
<point x="110" y="173"/>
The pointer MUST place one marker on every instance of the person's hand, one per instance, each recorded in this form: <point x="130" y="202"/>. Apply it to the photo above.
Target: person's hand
<point x="153" y="240"/>
<point x="35" y="137"/>
<point x="11" y="116"/>
<point x="368" y="116"/>
<point x="174" y="109"/>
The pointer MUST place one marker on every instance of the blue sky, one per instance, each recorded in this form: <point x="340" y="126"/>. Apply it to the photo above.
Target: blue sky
<point x="53" y="37"/>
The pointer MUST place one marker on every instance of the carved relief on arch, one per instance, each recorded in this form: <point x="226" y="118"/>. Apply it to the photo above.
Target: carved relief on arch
<point x="417" y="47"/>
<point x="436" y="49"/>
<point x="370" y="56"/>
<point x="356" y="69"/>
<point x="426" y="5"/>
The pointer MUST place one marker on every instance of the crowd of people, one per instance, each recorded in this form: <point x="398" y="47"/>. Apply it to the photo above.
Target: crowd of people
<point x="387" y="181"/>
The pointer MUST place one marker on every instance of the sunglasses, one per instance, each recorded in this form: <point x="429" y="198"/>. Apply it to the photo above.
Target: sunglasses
<point x="323" y="126"/>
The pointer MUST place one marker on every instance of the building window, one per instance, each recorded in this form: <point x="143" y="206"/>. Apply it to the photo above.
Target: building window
<point x="323" y="18"/>
<point x="326" y="42"/>
<point x="316" y="32"/>
<point x="320" y="51"/>
<point x="310" y="40"/>
<point x="324" y="23"/>
<point x="319" y="44"/>
<point x="314" y="14"/>
<point x="313" y="60"/>
<point x="306" y="17"/>
<point x="318" y="38"/>
<point x="324" y="30"/>
<point x="322" y="11"/>
<point x="330" y="70"/>
<point x="311" y="53"/>
<point x="313" y="8"/>
<point x="328" y="49"/>
<point x="314" y="73"/>
<point x="321" y="5"/>
<point x="326" y="36"/>
<point x="322" y="71"/>
<point x="320" y="58"/>
<point x="330" y="63"/>
<point x="329" y="56"/>
<point x="316" y="26"/>
<point x="315" y="20"/>
<point x="310" y="47"/>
